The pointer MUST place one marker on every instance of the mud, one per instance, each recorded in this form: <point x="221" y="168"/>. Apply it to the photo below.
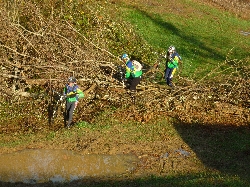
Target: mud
<point x="40" y="165"/>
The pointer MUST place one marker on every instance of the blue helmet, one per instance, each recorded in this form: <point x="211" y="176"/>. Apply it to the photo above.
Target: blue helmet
<point x="124" y="56"/>
<point x="72" y="79"/>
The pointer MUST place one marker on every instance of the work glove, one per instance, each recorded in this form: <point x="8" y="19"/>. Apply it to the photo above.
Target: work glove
<point x="63" y="97"/>
<point x="170" y="59"/>
<point x="76" y="103"/>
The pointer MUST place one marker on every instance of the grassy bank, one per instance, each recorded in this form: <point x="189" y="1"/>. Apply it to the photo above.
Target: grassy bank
<point x="218" y="155"/>
<point x="204" y="36"/>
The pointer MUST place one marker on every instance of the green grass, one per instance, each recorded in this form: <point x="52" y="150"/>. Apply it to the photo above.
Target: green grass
<point x="222" y="148"/>
<point x="15" y="139"/>
<point x="203" y="36"/>
<point x="191" y="180"/>
<point x="222" y="152"/>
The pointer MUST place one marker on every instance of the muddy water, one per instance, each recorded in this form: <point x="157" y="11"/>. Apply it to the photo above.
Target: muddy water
<point x="37" y="166"/>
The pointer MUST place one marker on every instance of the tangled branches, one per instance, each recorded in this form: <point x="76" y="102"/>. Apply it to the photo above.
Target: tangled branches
<point x="41" y="54"/>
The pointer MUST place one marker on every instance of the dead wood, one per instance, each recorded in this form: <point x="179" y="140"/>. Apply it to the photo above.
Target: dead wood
<point x="33" y="62"/>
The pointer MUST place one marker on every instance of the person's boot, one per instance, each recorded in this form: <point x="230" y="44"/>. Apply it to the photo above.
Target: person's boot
<point x="69" y="124"/>
<point x="133" y="94"/>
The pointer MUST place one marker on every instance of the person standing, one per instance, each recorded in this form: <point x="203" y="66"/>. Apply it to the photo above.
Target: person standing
<point x="72" y="93"/>
<point x="173" y="59"/>
<point x="133" y="73"/>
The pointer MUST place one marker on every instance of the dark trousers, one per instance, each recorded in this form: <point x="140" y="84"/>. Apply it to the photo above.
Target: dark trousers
<point x="70" y="107"/>
<point x="168" y="76"/>
<point x="134" y="82"/>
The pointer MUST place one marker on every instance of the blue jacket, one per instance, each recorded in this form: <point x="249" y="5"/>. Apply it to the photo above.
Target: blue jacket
<point x="173" y="60"/>
<point x="72" y="93"/>
<point x="131" y="71"/>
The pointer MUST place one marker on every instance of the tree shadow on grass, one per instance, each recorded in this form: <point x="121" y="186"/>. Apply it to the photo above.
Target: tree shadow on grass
<point x="195" y="41"/>
<point x="220" y="147"/>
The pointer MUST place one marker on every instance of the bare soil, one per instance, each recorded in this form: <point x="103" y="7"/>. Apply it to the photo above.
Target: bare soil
<point x="158" y="157"/>
<point x="126" y="135"/>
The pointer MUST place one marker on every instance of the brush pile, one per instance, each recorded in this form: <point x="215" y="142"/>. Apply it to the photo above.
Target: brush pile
<point x="39" y="53"/>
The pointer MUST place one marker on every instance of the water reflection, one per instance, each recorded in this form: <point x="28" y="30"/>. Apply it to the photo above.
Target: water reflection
<point x="39" y="165"/>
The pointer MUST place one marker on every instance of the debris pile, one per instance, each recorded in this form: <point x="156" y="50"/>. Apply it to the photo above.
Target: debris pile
<point x="39" y="57"/>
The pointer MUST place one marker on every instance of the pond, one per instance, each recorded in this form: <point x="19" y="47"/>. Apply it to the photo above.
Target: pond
<point x="41" y="165"/>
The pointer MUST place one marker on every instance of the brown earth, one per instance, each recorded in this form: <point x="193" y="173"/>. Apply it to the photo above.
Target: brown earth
<point x="114" y="141"/>
<point x="149" y="132"/>
<point x="240" y="8"/>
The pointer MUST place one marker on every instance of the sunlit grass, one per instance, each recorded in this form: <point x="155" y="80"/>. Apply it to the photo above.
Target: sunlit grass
<point x="204" y="36"/>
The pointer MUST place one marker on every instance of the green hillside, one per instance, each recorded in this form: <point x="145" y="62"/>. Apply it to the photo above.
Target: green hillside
<point x="197" y="134"/>
<point x="205" y="36"/>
